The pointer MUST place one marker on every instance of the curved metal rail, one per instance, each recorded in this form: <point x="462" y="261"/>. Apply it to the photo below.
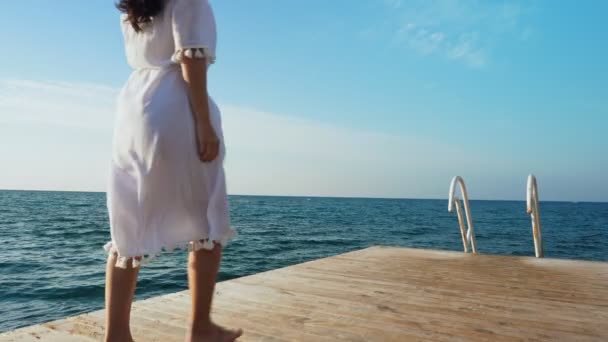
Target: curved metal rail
<point x="468" y="237"/>
<point x="534" y="211"/>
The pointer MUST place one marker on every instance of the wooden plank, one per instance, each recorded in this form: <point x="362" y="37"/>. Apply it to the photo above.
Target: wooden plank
<point x="383" y="294"/>
<point x="41" y="333"/>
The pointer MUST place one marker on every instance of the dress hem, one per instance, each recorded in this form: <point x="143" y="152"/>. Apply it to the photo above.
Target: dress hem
<point x="206" y="243"/>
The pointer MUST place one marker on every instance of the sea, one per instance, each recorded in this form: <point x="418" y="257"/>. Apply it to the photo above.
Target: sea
<point x="52" y="262"/>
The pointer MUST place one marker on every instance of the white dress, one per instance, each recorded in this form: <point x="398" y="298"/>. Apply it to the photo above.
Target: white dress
<point x="160" y="195"/>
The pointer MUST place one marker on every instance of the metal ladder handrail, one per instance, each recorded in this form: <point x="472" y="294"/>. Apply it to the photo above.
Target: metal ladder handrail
<point x="468" y="238"/>
<point x="534" y="211"/>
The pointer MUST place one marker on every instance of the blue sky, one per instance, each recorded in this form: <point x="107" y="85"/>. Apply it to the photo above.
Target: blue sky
<point x="379" y="98"/>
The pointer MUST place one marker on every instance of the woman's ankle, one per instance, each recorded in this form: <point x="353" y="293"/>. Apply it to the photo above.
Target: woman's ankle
<point x="201" y="325"/>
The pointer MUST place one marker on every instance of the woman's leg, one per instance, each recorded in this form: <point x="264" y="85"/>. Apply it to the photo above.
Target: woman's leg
<point x="120" y="289"/>
<point x="203" y="266"/>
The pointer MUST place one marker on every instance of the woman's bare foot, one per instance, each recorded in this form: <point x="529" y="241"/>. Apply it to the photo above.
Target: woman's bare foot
<point x="214" y="333"/>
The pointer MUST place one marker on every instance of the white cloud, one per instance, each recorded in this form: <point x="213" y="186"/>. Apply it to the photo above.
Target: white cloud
<point x="54" y="135"/>
<point x="65" y="130"/>
<point x="459" y="30"/>
<point x="394" y="3"/>
<point x="56" y="103"/>
<point x="57" y="136"/>
<point x="421" y="40"/>
<point x="467" y="49"/>
<point x="271" y="153"/>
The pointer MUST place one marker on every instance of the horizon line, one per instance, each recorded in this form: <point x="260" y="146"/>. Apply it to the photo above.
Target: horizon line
<point x="335" y="197"/>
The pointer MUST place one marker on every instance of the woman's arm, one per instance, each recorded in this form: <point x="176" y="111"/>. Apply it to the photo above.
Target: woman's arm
<point x="194" y="71"/>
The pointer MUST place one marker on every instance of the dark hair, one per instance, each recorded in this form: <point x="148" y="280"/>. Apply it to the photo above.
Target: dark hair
<point x="140" y="11"/>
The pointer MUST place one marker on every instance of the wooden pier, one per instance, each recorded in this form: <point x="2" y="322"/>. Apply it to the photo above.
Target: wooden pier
<point x="382" y="294"/>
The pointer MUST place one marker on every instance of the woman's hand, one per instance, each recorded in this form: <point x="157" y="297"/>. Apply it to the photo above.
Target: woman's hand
<point x="208" y="145"/>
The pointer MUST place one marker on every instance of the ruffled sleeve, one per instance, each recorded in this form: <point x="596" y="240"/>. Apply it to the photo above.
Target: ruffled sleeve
<point x="194" y="31"/>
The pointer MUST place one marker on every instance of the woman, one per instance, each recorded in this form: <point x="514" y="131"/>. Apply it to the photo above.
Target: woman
<point x="167" y="188"/>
